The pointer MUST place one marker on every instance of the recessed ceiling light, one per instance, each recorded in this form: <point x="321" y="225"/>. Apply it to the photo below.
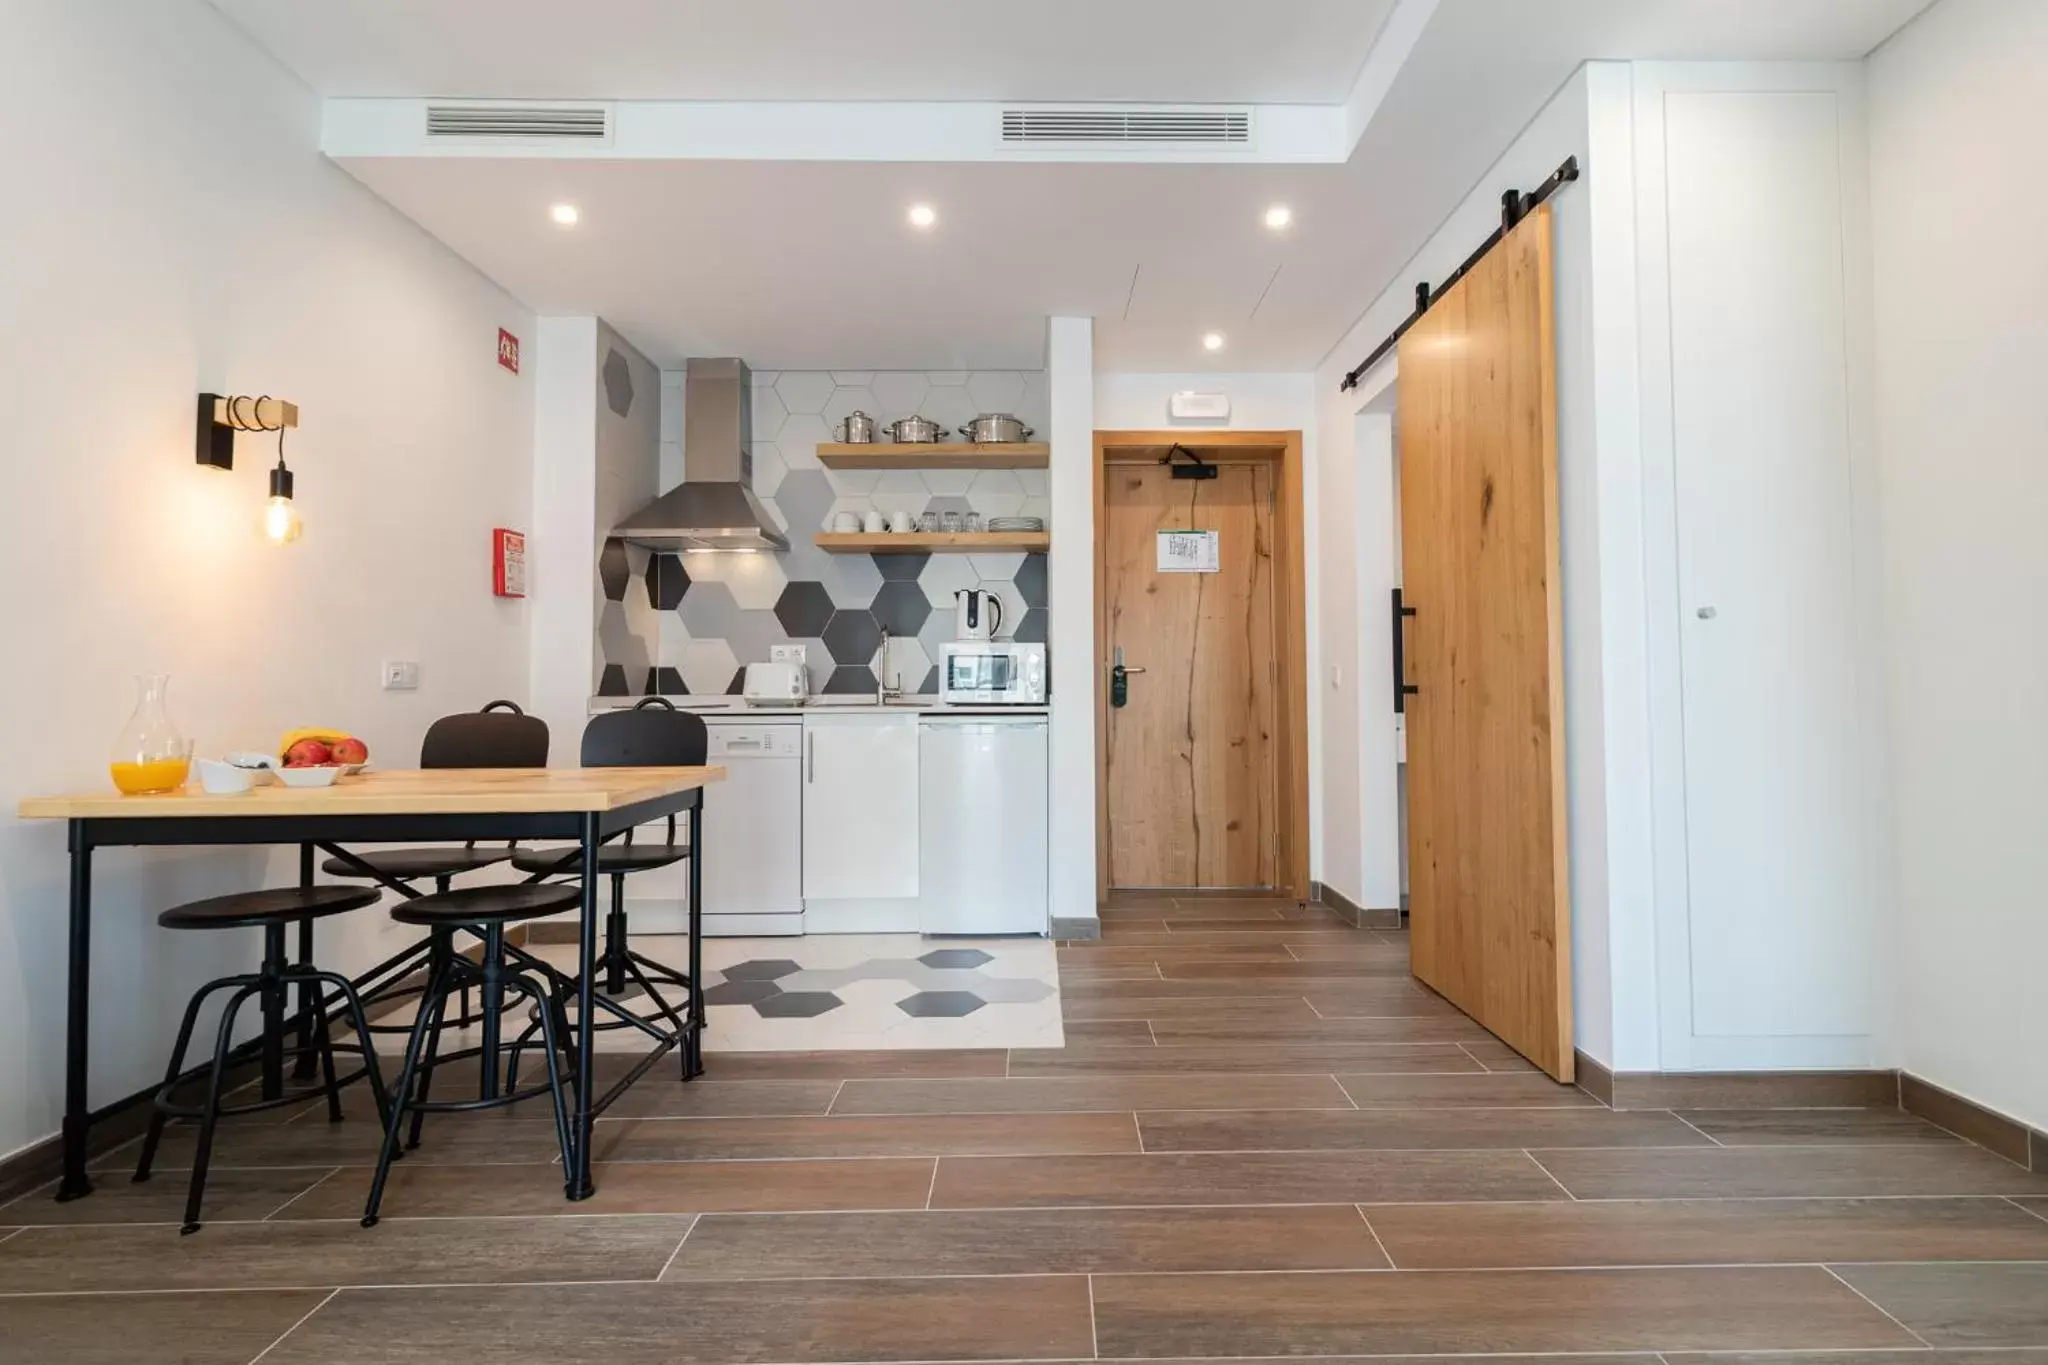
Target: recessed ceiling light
<point x="565" y="215"/>
<point x="1212" y="341"/>
<point x="923" y="215"/>
<point x="1279" y="216"/>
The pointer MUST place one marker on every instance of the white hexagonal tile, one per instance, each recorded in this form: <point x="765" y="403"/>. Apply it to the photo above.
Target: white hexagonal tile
<point x="950" y="378"/>
<point x="804" y="390"/>
<point x="854" y="379"/>
<point x="854" y="483"/>
<point x="798" y="440"/>
<point x="943" y="575"/>
<point x="1035" y="406"/>
<point x="764" y="379"/>
<point x="1037" y="507"/>
<point x="996" y="493"/>
<point x="952" y="408"/>
<point x="898" y="393"/>
<point x="900" y="490"/>
<point x="849" y="398"/>
<point x="708" y="666"/>
<point x="948" y="483"/>
<point x="852" y="581"/>
<point x="768" y="415"/>
<point x="997" y="568"/>
<point x="769" y="468"/>
<point x="906" y="665"/>
<point x="1036" y="483"/>
<point x="755" y="580"/>
<point x="674" y="641"/>
<point x="996" y="390"/>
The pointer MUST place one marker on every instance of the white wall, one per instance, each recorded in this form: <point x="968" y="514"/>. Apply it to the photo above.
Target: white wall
<point x="170" y="228"/>
<point x="560" y="575"/>
<point x="1070" y="575"/>
<point x="1958" y="204"/>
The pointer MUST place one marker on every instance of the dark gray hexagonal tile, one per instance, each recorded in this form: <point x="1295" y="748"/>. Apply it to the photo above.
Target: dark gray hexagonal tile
<point x="667" y="581"/>
<point x="762" y="969"/>
<point x="851" y="680"/>
<point x="852" y="637"/>
<point x="738" y="686"/>
<point x="930" y="686"/>
<point x="741" y="993"/>
<point x="939" y="1004"/>
<point x="668" y="682"/>
<point x="612" y="682"/>
<point x="614" y="570"/>
<point x="945" y="503"/>
<point x="1032" y="630"/>
<point x="618" y="384"/>
<point x="798" y="1005"/>
<point x="1030" y="581"/>
<point x="900" y="568"/>
<point x="955" y="957"/>
<point x="804" y="609"/>
<point x="901" y="608"/>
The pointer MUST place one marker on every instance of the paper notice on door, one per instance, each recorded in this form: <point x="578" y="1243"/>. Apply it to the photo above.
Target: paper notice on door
<point x="1189" y="552"/>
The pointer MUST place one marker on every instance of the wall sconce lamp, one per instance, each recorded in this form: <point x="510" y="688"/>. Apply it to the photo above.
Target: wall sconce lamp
<point x="220" y="418"/>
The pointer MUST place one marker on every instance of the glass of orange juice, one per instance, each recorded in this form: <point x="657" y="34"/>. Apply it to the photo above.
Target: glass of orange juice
<point x="151" y="755"/>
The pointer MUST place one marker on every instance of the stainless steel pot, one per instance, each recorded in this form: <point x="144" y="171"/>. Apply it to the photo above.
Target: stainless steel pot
<point x="855" y="429"/>
<point x="914" y="431"/>
<point x="995" y="428"/>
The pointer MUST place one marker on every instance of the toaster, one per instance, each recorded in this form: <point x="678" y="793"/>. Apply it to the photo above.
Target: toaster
<point x="774" y="685"/>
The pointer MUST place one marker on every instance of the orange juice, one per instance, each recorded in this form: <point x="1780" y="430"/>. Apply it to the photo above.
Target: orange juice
<point x="157" y="775"/>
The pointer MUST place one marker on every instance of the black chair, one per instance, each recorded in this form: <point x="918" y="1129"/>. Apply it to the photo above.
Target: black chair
<point x="653" y="734"/>
<point x="273" y="912"/>
<point x="484" y="911"/>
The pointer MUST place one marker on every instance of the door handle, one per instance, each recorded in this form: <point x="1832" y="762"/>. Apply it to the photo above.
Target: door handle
<point x="810" y="758"/>
<point x="1403" y="689"/>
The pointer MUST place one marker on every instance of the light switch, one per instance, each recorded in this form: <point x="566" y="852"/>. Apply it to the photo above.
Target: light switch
<point x="1336" y="675"/>
<point x="401" y="675"/>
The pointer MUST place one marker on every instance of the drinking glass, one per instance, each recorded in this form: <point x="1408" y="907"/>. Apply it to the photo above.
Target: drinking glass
<point x="952" y="522"/>
<point x="974" y="523"/>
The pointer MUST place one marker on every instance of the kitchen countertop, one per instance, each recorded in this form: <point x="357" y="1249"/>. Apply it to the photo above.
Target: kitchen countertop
<point x="728" y="705"/>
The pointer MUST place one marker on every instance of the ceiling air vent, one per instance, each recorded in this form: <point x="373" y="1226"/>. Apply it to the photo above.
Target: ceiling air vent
<point x="1200" y="126"/>
<point x="526" y="122"/>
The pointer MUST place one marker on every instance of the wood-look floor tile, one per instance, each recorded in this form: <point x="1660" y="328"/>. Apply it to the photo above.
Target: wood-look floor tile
<point x="1135" y="921"/>
<point x="281" y="1255"/>
<point x="1246" y="933"/>
<point x="1111" y="954"/>
<point x="1498" y="1056"/>
<point x="1121" y="1032"/>
<point x="1481" y="1090"/>
<point x="1706" y="1232"/>
<point x="129" y="1329"/>
<point x="1380" y="999"/>
<point x="2037" y="1207"/>
<point x="1255" y="1009"/>
<point x="938" y="1135"/>
<point x="1776" y="1172"/>
<point x="1916" y="1356"/>
<point x="660" y="1094"/>
<point x="1124" y="991"/>
<point x="1836" y="1127"/>
<point x="1296" y="973"/>
<point x="837" y="1066"/>
<point x="1370" y="951"/>
<point x="1961" y="1305"/>
<point x="464" y="1139"/>
<point x="230" y="1194"/>
<point x="786" y="1321"/>
<point x="1070" y="974"/>
<point x="1758" y="1090"/>
<point x="1237" y="1178"/>
<point x="1086" y="1094"/>
<point x="630" y="1187"/>
<point x="1194" y="912"/>
<point x="1027" y="1242"/>
<point x="1418" y="1130"/>
<point x="1409" y="1028"/>
<point x="1361" y="1058"/>
<point x="1794" y="1307"/>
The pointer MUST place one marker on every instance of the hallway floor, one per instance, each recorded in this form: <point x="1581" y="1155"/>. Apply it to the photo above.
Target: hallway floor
<point x="1262" y="1139"/>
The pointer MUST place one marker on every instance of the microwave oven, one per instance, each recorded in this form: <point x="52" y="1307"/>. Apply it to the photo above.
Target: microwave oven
<point x="992" y="673"/>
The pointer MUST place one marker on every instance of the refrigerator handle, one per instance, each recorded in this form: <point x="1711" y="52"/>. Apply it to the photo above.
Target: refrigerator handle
<point x="810" y="758"/>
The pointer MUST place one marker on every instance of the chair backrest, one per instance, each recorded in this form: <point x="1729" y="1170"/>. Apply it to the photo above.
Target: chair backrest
<point x="499" y="736"/>
<point x="651" y="735"/>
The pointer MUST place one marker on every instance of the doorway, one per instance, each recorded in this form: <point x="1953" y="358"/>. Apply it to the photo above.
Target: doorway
<point x="1202" y="743"/>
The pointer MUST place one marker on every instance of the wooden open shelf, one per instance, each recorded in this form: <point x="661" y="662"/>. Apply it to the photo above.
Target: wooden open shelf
<point x="927" y="455"/>
<point x="937" y="542"/>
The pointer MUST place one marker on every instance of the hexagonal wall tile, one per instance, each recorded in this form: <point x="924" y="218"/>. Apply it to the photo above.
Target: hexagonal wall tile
<point x="756" y="581"/>
<point x="614" y="569"/>
<point x="618" y="644"/>
<point x="997" y="567"/>
<point x="846" y="399"/>
<point x="764" y="379"/>
<point x="951" y="378"/>
<point x="618" y="384"/>
<point x="1014" y="606"/>
<point x="798" y="440"/>
<point x="1034" y="404"/>
<point x="1030" y="580"/>
<point x="852" y="636"/>
<point x="853" y="379"/>
<point x="953" y="408"/>
<point x="611" y="682"/>
<point x="853" y="580"/>
<point x="755" y="636"/>
<point x="804" y="390"/>
<point x="906" y="665"/>
<point x="709" y="611"/>
<point x="806" y="498"/>
<point x="769" y="468"/>
<point x="898" y="393"/>
<point x="668" y="682"/>
<point x="949" y="483"/>
<point x="946" y="575"/>
<point x="768" y="414"/>
<point x="900" y="490"/>
<point x="1036" y="483"/>
<point x="804" y="609"/>
<point x="854" y="483"/>
<point x="1033" y="627"/>
<point x="943" y="505"/>
<point x="667" y="581"/>
<point x="901" y="568"/>
<point x="901" y="608"/>
<point x="996" y="493"/>
<point x="939" y="1004"/>
<point x="708" y="666"/>
<point x="851" y="680"/>
<point x="996" y="390"/>
<point x="937" y="632"/>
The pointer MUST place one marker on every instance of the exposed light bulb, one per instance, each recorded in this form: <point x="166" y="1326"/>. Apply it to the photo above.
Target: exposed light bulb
<point x="1279" y="216"/>
<point x="1212" y="341"/>
<point x="281" y="524"/>
<point x="565" y="215"/>
<point x="923" y="215"/>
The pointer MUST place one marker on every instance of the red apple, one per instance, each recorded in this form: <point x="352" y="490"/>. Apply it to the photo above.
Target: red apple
<point x="308" y="753"/>
<point x="350" y="750"/>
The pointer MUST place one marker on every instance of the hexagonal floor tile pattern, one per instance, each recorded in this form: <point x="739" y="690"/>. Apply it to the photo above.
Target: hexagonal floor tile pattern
<point x="804" y="609"/>
<point x="740" y="992"/>
<point x="761" y="969"/>
<point x="796" y="1004"/>
<point x="938" y="1004"/>
<point x="951" y="957"/>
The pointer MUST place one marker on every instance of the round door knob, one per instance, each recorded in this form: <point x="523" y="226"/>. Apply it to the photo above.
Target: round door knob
<point x="1706" y="613"/>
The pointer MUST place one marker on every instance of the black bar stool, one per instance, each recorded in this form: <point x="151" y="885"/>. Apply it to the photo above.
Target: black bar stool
<point x="484" y="911"/>
<point x="653" y="734"/>
<point x="273" y="912"/>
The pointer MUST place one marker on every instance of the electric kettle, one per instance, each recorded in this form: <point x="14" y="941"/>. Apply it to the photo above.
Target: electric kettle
<point x="977" y="615"/>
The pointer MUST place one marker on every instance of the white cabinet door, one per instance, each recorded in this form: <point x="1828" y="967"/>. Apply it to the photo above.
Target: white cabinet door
<point x="860" y="807"/>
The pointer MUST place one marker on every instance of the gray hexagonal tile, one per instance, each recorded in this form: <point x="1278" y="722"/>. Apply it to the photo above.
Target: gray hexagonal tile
<point x="852" y="636"/>
<point x="798" y="1005"/>
<point x="941" y="1004"/>
<point x="755" y="636"/>
<point x="618" y="383"/>
<point x="708" y="666"/>
<point x="760" y="969"/>
<point x="614" y="569"/>
<point x="804" y="391"/>
<point x="944" y="503"/>
<point x="1005" y="990"/>
<point x="709" y="611"/>
<point x="854" y="483"/>
<point x="901" y="568"/>
<point x="741" y="992"/>
<point x="930" y="686"/>
<point x="1033" y="627"/>
<point x="947" y="483"/>
<point x="764" y="379"/>
<point x="952" y="957"/>
<point x="996" y="390"/>
<point x="853" y="580"/>
<point x="667" y="581"/>
<point x="898" y="393"/>
<point x="901" y="608"/>
<point x="1030" y="581"/>
<point x="851" y="680"/>
<point x="1035" y="406"/>
<point x="804" y="609"/>
<point x="806" y="496"/>
<point x="619" y="644"/>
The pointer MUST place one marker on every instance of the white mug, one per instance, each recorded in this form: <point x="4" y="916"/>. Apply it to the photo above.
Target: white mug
<point x="846" y="523"/>
<point x="900" y="523"/>
<point x="876" y="523"/>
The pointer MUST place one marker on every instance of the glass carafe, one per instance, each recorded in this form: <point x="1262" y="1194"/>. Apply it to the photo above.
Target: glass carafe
<point x="151" y="754"/>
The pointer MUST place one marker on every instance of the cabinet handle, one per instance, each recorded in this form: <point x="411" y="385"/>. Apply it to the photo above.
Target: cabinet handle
<point x="810" y="758"/>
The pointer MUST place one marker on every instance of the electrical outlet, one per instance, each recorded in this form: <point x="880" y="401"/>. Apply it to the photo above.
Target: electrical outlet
<point x="401" y="675"/>
<point x="786" y="654"/>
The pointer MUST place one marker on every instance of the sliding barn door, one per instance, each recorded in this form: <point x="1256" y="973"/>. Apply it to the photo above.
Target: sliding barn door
<point x="1479" y="560"/>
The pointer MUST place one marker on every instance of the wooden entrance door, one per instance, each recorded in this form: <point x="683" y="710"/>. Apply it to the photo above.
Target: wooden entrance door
<point x="1192" y="756"/>
<point x="1479" y="561"/>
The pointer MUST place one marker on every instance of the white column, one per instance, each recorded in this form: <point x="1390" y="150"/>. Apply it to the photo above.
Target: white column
<point x="1070" y="379"/>
<point x="561" y="602"/>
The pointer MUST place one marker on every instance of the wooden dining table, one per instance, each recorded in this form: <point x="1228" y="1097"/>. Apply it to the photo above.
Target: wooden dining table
<point x="588" y="805"/>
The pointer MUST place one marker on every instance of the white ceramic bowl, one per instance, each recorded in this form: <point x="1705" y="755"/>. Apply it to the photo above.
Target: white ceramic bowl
<point x="308" y="777"/>
<point x="224" y="779"/>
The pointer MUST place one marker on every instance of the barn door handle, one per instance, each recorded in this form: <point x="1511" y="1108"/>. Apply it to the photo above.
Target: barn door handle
<point x="1403" y="689"/>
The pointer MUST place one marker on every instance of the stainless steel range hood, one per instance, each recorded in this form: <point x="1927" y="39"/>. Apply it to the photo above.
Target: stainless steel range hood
<point x="714" y="507"/>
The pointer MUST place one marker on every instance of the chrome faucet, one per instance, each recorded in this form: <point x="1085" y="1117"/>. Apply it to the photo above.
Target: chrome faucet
<point x="883" y="690"/>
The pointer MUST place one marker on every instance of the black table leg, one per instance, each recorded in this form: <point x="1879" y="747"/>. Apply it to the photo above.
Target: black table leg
<point x="78" y="1021"/>
<point x="581" y="1186"/>
<point x="309" y="990"/>
<point x="693" y="1046"/>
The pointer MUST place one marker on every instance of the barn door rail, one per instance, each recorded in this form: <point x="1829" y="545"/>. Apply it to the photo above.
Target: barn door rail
<point x="1514" y="206"/>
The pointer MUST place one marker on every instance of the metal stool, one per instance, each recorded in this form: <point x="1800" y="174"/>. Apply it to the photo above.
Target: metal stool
<point x="484" y="911"/>
<point x="273" y="911"/>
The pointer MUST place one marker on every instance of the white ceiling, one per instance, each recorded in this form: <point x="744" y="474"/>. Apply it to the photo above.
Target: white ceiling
<point x="1267" y="51"/>
<point x="810" y="265"/>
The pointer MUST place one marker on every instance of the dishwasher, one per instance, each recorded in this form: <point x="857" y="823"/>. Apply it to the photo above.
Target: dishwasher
<point x="982" y="825"/>
<point x="753" y="827"/>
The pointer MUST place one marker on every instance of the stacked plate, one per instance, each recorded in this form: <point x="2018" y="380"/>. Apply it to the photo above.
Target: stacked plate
<point x="1016" y="523"/>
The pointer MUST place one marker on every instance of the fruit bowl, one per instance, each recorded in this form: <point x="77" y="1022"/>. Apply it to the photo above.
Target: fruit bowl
<point x="324" y="776"/>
